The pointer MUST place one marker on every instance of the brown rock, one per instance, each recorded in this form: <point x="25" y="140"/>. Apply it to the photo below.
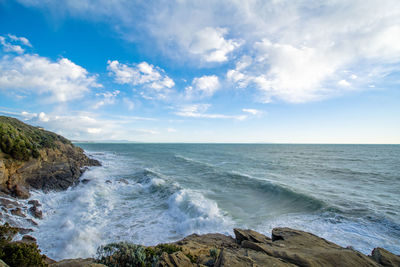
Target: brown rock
<point x="21" y="192"/>
<point x="28" y="239"/>
<point x="32" y="222"/>
<point x="17" y="212"/>
<point x="35" y="203"/>
<point x="249" y="235"/>
<point x="385" y="258"/>
<point x="77" y="263"/>
<point x="177" y="259"/>
<point x="36" y="212"/>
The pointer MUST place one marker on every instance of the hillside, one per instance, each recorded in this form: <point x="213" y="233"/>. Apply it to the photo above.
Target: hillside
<point x="31" y="157"/>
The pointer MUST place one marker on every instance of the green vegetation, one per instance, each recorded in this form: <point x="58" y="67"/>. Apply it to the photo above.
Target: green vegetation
<point x="125" y="254"/>
<point x="22" y="141"/>
<point x="18" y="254"/>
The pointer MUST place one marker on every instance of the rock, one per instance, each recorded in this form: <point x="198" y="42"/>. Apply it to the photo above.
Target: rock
<point x="23" y="231"/>
<point x="123" y="181"/>
<point x="35" y="203"/>
<point x="21" y="192"/>
<point x="36" y="212"/>
<point x="17" y="212"/>
<point x="28" y="239"/>
<point x="385" y="258"/>
<point x="9" y="203"/>
<point x="85" y="181"/>
<point x="249" y="235"/>
<point x="32" y="222"/>
<point x="108" y="182"/>
<point x="77" y="263"/>
<point x="177" y="259"/>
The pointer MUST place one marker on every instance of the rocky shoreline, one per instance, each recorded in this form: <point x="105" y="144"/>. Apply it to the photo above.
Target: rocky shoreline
<point x="46" y="161"/>
<point x="286" y="247"/>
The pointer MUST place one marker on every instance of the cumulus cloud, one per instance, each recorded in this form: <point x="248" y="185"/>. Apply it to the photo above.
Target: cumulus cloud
<point x="298" y="50"/>
<point x="61" y="80"/>
<point x="153" y="79"/>
<point x="12" y="43"/>
<point x="210" y="44"/>
<point x="204" y="86"/>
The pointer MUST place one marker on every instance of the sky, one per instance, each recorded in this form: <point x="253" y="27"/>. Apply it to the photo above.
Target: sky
<point x="272" y="71"/>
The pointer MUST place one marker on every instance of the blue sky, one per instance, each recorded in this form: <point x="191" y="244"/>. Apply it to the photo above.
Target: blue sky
<point x="204" y="71"/>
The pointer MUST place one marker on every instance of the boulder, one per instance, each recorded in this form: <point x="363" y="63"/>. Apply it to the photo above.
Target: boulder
<point x="17" y="212"/>
<point x="20" y="191"/>
<point x="385" y="258"/>
<point x="36" y="212"/>
<point x="35" y="203"/>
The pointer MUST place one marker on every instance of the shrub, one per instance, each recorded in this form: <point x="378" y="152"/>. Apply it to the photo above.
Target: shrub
<point x="18" y="254"/>
<point x="125" y="254"/>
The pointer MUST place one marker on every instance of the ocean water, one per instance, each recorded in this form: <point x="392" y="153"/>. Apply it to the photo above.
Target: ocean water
<point x="152" y="193"/>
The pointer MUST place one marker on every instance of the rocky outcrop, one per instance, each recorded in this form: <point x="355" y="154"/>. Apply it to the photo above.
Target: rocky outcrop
<point x="287" y="247"/>
<point x="37" y="159"/>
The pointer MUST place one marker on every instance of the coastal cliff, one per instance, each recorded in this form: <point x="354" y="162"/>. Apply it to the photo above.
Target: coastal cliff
<point x="31" y="157"/>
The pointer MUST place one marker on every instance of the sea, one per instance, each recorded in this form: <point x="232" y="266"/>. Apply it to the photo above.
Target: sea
<point x="157" y="193"/>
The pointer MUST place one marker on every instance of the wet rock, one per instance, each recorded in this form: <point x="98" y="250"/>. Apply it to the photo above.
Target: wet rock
<point x="85" y="181"/>
<point x="17" y="212"/>
<point x="385" y="258"/>
<point x="28" y="239"/>
<point x="108" y="182"/>
<point x="21" y="192"/>
<point x="9" y="203"/>
<point x="32" y="222"/>
<point x="24" y="231"/>
<point x="123" y="181"/>
<point x="36" y="212"/>
<point x="35" y="203"/>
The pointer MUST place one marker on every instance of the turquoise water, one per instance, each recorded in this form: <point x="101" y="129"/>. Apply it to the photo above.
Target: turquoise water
<point x="151" y="193"/>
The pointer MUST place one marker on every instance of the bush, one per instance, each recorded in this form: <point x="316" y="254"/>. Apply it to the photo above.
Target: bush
<point x="125" y="254"/>
<point x="18" y="254"/>
<point x="21" y="255"/>
<point x="22" y="141"/>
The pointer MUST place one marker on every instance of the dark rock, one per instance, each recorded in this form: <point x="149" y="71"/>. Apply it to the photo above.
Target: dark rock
<point x="8" y="203"/>
<point x="28" y="239"/>
<point x="21" y="192"/>
<point x="108" y="182"/>
<point x="36" y="212"/>
<point x="35" y="203"/>
<point x="17" y="212"/>
<point x="123" y="181"/>
<point x="32" y="222"/>
<point x="85" y="181"/>
<point x="385" y="258"/>
<point x="24" y="231"/>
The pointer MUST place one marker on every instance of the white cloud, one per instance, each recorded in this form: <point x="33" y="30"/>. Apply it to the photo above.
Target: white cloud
<point x="344" y="83"/>
<point x="153" y="79"/>
<point x="8" y="47"/>
<point x="22" y="40"/>
<point x="209" y="43"/>
<point x="199" y="111"/>
<point x="252" y="111"/>
<point x="62" y="80"/>
<point x="204" y="86"/>
<point x="108" y="98"/>
<point x="298" y="49"/>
